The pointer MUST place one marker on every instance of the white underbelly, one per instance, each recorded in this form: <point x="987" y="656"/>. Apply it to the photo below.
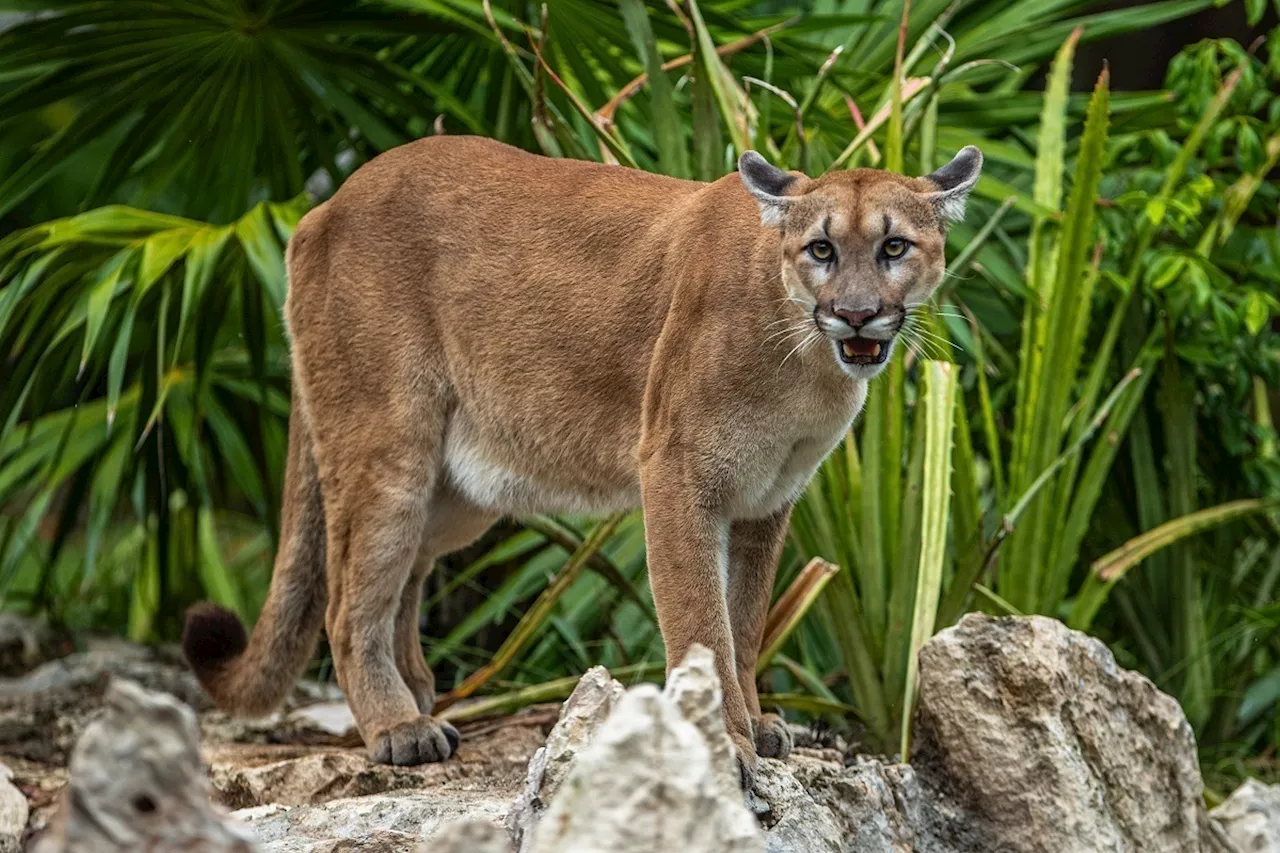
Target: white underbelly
<point x="492" y="485"/>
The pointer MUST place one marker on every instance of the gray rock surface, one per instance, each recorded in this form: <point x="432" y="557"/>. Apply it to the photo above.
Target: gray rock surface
<point x="24" y="643"/>
<point x="1030" y="738"/>
<point x="1250" y="817"/>
<point x="875" y="805"/>
<point x="390" y="822"/>
<point x="793" y="819"/>
<point x="307" y="780"/>
<point x="470" y="837"/>
<point x="137" y="783"/>
<point x="44" y="712"/>
<point x="13" y="813"/>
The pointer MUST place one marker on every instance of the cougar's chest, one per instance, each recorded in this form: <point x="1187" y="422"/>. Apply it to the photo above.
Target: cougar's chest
<point x="775" y="461"/>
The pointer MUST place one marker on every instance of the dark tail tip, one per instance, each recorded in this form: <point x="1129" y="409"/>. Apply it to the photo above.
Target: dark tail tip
<point x="212" y="637"/>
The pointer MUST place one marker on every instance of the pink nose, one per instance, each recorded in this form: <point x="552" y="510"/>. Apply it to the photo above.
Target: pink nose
<point x="855" y="318"/>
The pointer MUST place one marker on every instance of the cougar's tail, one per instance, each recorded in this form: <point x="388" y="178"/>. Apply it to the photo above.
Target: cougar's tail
<point x="251" y="676"/>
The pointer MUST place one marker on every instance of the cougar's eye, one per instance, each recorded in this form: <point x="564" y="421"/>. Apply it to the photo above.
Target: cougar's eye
<point x="822" y="251"/>
<point x="894" y="247"/>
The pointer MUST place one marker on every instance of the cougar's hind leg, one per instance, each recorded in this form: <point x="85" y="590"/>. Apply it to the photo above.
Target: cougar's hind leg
<point x="452" y="523"/>
<point x="409" y="660"/>
<point x="377" y="475"/>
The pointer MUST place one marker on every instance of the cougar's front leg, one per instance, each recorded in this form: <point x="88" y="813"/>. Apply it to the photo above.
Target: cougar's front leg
<point x="686" y="549"/>
<point x="754" y="548"/>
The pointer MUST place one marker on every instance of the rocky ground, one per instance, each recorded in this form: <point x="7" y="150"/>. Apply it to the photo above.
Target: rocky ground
<point x="1028" y="737"/>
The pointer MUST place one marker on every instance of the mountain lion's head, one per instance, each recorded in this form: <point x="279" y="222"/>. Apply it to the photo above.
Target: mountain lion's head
<point x="862" y="248"/>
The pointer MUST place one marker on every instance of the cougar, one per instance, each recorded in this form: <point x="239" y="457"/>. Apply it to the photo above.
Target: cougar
<point x="479" y="332"/>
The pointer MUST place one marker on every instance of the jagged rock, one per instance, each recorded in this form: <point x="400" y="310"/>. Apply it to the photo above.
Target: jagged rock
<point x="580" y="717"/>
<point x="13" y="813"/>
<point x="43" y="713"/>
<point x="792" y="819"/>
<point x="873" y="807"/>
<point x="42" y="787"/>
<point x="153" y="669"/>
<point x="694" y="688"/>
<point x="378" y="808"/>
<point x="1030" y="738"/>
<point x="1250" y="817"/>
<point x="646" y="785"/>
<point x="137" y="783"/>
<point x="311" y="779"/>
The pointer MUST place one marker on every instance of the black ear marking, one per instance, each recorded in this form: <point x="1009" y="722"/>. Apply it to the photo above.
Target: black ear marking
<point x="954" y="181"/>
<point x="963" y="168"/>
<point x="762" y="177"/>
<point x="767" y="183"/>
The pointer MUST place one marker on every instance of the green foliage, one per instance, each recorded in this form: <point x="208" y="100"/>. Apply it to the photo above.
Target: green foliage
<point x="1095" y="378"/>
<point x="151" y="399"/>
<point x="202" y="107"/>
<point x="1193" y="227"/>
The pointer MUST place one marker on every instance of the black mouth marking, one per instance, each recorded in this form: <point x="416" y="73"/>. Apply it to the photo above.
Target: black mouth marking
<point x="863" y="351"/>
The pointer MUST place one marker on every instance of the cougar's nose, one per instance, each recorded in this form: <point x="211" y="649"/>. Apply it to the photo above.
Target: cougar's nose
<point x="855" y="317"/>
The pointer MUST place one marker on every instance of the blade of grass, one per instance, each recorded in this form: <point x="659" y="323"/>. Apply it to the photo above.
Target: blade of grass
<point x="792" y="606"/>
<point x="1039" y="425"/>
<point x="1108" y="569"/>
<point x="668" y="133"/>
<point x="610" y="109"/>
<point x="807" y="704"/>
<point x="995" y="602"/>
<point x="735" y="108"/>
<point x="938" y="410"/>
<point x="1088" y="489"/>
<point x="1049" y="168"/>
<point x="904" y="576"/>
<point x="536" y="694"/>
<point x="598" y="561"/>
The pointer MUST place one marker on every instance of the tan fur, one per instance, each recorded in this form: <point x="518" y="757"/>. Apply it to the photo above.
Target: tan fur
<point x="478" y="331"/>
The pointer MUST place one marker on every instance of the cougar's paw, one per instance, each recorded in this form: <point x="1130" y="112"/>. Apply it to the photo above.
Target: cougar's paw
<point x="419" y="741"/>
<point x="746" y="754"/>
<point x="773" y="737"/>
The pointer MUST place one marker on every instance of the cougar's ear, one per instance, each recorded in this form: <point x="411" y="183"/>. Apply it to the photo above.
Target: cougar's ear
<point x="769" y="184"/>
<point x="953" y="182"/>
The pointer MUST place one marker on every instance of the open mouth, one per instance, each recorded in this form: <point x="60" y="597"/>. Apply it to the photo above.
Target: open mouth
<point x="863" y="351"/>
